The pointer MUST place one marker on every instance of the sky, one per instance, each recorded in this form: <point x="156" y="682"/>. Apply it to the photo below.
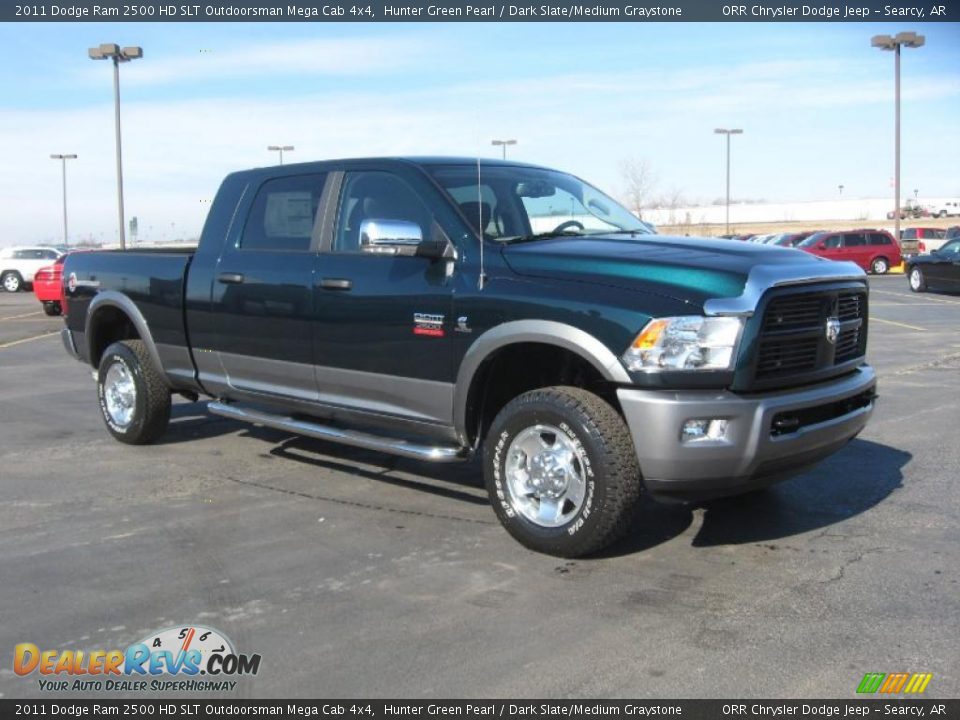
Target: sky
<point x="815" y="102"/>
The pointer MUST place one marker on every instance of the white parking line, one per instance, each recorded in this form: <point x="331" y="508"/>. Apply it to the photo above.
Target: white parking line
<point x="16" y="317"/>
<point x="29" y="339"/>
<point x="898" y="324"/>
<point x="923" y="298"/>
<point x="901" y="305"/>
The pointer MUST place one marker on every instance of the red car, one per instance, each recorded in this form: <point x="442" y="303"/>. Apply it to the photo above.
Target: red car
<point x="873" y="250"/>
<point x="48" y="287"/>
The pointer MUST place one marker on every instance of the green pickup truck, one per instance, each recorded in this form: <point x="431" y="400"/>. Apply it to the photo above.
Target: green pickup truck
<point x="444" y="309"/>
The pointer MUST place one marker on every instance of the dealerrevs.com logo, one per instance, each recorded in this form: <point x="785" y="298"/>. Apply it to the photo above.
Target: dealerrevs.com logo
<point x="184" y="658"/>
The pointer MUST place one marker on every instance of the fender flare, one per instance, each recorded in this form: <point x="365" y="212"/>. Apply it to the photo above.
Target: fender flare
<point x="546" y="332"/>
<point x="114" y="299"/>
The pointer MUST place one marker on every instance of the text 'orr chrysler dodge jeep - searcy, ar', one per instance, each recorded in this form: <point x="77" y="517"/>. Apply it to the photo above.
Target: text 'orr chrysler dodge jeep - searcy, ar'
<point x="441" y="308"/>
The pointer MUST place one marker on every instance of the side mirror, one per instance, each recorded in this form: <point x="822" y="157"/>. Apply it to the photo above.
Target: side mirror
<point x="390" y="237"/>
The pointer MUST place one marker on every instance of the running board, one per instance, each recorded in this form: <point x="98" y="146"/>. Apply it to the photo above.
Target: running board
<point x="404" y="448"/>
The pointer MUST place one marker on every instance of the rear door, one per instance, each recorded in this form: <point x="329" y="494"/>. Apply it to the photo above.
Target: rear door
<point x="27" y="262"/>
<point x="263" y="300"/>
<point x="855" y="249"/>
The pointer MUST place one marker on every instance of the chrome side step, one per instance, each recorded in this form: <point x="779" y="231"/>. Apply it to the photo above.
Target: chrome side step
<point x="404" y="448"/>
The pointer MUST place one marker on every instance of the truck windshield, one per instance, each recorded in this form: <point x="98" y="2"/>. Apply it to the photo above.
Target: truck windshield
<point x="515" y="203"/>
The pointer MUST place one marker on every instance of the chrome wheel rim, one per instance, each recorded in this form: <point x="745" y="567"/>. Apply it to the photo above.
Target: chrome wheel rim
<point x="119" y="394"/>
<point x="915" y="279"/>
<point x="879" y="267"/>
<point x="11" y="284"/>
<point x="546" y="477"/>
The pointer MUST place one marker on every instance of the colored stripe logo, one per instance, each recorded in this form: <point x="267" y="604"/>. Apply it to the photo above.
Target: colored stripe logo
<point x="894" y="683"/>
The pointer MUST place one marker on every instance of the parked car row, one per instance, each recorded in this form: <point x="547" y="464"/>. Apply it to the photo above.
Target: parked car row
<point x="18" y="265"/>
<point x="873" y="250"/>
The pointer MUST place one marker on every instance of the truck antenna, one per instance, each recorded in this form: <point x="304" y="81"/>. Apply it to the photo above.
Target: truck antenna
<point x="483" y="277"/>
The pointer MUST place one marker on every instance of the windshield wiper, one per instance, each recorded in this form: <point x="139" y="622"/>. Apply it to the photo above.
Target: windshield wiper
<point x="541" y="236"/>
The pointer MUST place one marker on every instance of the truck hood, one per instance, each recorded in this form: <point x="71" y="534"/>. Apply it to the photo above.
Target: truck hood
<point x="683" y="268"/>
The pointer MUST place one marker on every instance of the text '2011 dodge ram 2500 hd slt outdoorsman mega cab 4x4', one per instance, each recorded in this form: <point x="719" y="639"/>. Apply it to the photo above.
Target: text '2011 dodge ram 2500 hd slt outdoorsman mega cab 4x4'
<point x="436" y="308"/>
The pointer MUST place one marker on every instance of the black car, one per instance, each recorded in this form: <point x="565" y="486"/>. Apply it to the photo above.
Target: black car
<point x="940" y="269"/>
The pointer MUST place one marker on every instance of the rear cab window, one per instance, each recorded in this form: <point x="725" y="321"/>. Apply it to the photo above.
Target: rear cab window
<point x="283" y="214"/>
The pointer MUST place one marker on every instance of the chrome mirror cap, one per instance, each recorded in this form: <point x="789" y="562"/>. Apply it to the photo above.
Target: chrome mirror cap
<point x="390" y="237"/>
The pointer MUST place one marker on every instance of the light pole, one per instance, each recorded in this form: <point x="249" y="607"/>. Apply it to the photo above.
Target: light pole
<point x="280" y="149"/>
<point x="887" y="42"/>
<point x="113" y="52"/>
<point x="728" y="133"/>
<point x="840" y="187"/>
<point x="63" y="161"/>
<point x="503" y="144"/>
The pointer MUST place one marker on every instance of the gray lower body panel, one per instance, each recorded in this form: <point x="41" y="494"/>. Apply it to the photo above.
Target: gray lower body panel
<point x="70" y="344"/>
<point x="752" y="453"/>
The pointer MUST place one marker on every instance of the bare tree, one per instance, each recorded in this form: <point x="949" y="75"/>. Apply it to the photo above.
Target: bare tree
<point x="638" y="182"/>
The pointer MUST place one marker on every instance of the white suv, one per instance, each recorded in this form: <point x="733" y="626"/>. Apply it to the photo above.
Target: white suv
<point x="18" y="265"/>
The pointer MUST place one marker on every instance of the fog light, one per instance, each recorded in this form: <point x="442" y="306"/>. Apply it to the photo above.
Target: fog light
<point x="704" y="429"/>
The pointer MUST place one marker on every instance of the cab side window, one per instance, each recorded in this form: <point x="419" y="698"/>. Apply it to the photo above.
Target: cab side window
<point x="283" y="214"/>
<point x="854" y="240"/>
<point x="879" y="239"/>
<point x="376" y="195"/>
<point x="832" y="242"/>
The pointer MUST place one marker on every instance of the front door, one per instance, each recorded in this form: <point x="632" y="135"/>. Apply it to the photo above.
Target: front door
<point x="263" y="299"/>
<point x="382" y="335"/>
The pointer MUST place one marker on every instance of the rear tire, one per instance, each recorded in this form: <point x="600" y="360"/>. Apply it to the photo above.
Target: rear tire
<point x="11" y="281"/>
<point x="918" y="283"/>
<point x="880" y="266"/>
<point x="52" y="308"/>
<point x="561" y="471"/>
<point x="134" y="400"/>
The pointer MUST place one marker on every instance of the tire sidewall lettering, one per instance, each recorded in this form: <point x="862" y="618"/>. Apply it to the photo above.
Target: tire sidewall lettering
<point x="498" y="462"/>
<point x="119" y="429"/>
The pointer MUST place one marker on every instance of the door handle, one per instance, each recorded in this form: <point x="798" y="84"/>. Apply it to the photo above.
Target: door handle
<point x="336" y="284"/>
<point x="230" y="278"/>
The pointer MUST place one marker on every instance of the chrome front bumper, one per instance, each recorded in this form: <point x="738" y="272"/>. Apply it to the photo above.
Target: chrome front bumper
<point x="819" y="419"/>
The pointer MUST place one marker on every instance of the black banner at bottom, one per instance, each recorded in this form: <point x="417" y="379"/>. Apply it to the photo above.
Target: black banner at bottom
<point x="690" y="709"/>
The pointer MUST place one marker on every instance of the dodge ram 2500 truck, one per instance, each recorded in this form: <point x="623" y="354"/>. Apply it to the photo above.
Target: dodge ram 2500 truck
<point x="438" y="308"/>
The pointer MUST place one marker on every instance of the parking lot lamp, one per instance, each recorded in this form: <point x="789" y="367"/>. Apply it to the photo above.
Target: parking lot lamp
<point x="728" y="133"/>
<point x="503" y="144"/>
<point x="280" y="149"/>
<point x="119" y="55"/>
<point x="894" y="42"/>
<point x="63" y="161"/>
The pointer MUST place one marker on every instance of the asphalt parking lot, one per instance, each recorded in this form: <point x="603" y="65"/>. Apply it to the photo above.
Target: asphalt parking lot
<point x="355" y="574"/>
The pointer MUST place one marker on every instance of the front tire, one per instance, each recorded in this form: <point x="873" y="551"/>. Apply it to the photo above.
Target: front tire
<point x="918" y="283"/>
<point x="11" y="281"/>
<point x="880" y="266"/>
<point x="561" y="471"/>
<point x="134" y="400"/>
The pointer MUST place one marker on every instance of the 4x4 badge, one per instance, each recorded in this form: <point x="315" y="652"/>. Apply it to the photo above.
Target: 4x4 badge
<point x="833" y="330"/>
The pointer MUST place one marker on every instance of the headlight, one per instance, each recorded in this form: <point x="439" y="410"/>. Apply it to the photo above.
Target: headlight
<point x="685" y="343"/>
